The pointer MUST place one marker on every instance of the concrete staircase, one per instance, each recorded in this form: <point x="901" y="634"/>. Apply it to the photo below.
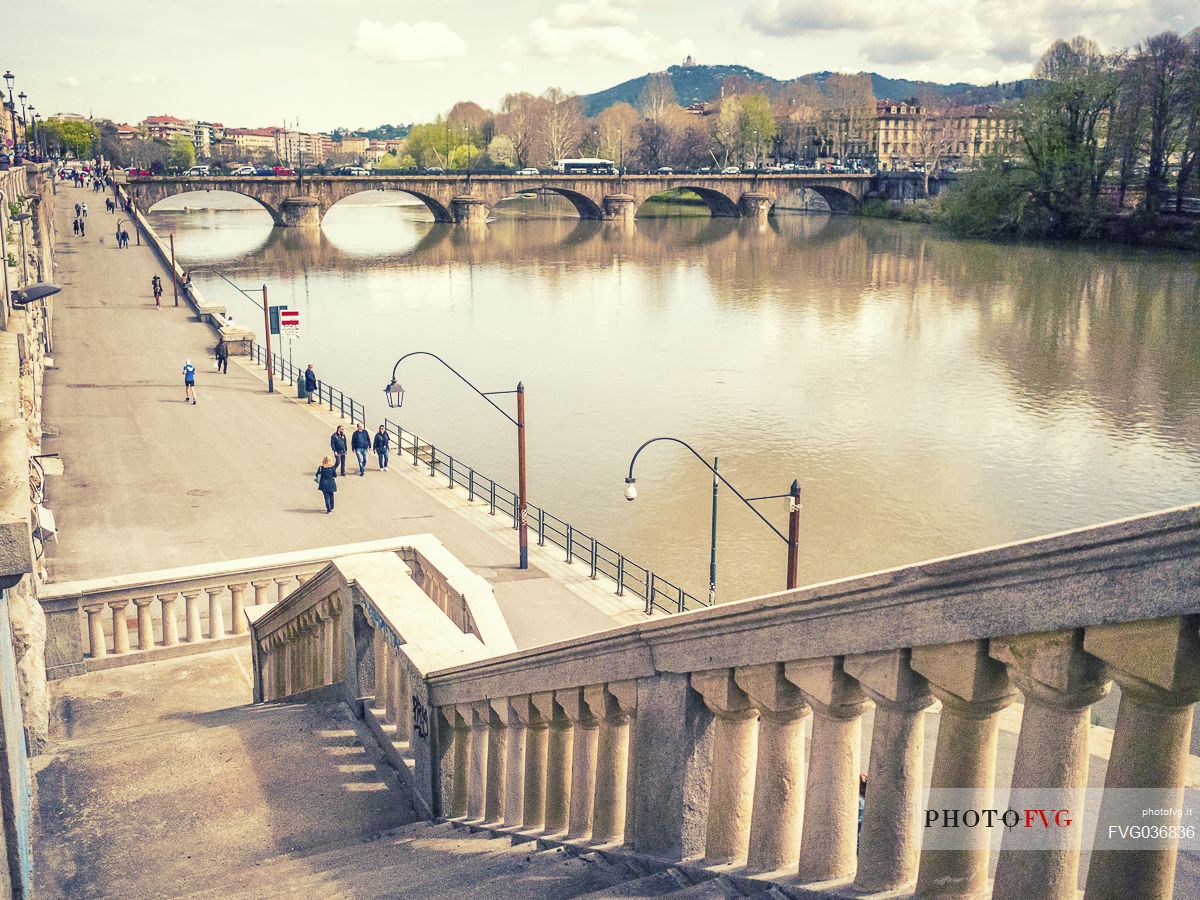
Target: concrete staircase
<point x="163" y="783"/>
<point x="440" y="860"/>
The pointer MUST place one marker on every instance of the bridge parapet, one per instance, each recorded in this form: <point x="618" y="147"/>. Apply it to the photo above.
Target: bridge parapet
<point x="685" y="737"/>
<point x="301" y="202"/>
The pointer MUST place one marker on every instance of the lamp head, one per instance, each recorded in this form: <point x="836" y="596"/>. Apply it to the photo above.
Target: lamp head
<point x="630" y="489"/>
<point x="395" y="395"/>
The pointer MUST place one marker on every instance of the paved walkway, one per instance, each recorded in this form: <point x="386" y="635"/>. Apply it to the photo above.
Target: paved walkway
<point x="153" y="482"/>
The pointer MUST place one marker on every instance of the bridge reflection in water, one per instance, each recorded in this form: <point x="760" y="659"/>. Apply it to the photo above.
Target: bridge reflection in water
<point x="931" y="395"/>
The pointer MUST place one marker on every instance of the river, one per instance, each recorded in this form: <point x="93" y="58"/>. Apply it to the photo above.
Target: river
<point x="931" y="395"/>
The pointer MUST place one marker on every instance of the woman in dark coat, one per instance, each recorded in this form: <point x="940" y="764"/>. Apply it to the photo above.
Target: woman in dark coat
<point x="327" y="481"/>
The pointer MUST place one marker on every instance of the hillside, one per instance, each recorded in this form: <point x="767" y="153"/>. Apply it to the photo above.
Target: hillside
<point x="702" y="84"/>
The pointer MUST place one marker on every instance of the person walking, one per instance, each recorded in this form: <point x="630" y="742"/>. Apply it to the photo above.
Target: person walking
<point x="326" y="478"/>
<point x="84" y="205"/>
<point x="310" y="382"/>
<point x="77" y="210"/>
<point x="360" y="442"/>
<point x="189" y="382"/>
<point x="382" y="442"/>
<point x="222" y="357"/>
<point x="83" y="227"/>
<point x="337" y="443"/>
<point x="156" y="290"/>
<point x="75" y="227"/>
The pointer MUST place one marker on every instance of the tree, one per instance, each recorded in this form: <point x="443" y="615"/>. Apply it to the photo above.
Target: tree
<point x="653" y="144"/>
<point x="616" y="130"/>
<point x="76" y="136"/>
<point x="657" y="98"/>
<point x="182" y="153"/>
<point x="518" y="112"/>
<point x="1061" y="128"/>
<point x="561" y="123"/>
<point x="1165" y="64"/>
<point x="1190" y="145"/>
<point x="502" y="152"/>
<point x="933" y="135"/>
<point x="756" y="125"/>
<point x="1127" y="128"/>
<point x="848" y="122"/>
<point x="726" y="130"/>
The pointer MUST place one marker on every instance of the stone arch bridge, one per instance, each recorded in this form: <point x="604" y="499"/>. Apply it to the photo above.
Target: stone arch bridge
<point x="294" y="201"/>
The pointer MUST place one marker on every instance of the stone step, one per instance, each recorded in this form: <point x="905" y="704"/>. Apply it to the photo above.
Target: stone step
<point x="433" y="861"/>
<point x="714" y="889"/>
<point x="658" y="884"/>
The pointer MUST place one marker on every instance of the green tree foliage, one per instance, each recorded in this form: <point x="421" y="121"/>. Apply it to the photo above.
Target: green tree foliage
<point x="182" y="153"/>
<point x="76" y="136"/>
<point x="1062" y="128"/>
<point x="756" y="127"/>
<point x="995" y="200"/>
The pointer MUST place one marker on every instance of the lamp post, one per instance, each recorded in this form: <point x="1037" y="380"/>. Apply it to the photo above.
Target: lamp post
<point x="12" y="113"/>
<point x="24" y="124"/>
<point x="265" y="307"/>
<point x="395" y="399"/>
<point x="792" y="538"/>
<point x="32" y="121"/>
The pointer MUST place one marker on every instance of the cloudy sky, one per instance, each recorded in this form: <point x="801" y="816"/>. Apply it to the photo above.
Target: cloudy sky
<point x="363" y="62"/>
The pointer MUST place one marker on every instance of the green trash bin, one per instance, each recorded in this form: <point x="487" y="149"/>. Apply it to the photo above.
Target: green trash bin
<point x="300" y="391"/>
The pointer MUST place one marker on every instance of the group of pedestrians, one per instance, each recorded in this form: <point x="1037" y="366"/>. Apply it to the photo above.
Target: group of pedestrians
<point x="122" y="238"/>
<point x="360" y="443"/>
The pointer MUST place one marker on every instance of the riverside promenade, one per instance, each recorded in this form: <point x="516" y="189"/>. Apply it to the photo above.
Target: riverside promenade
<point x="152" y="482"/>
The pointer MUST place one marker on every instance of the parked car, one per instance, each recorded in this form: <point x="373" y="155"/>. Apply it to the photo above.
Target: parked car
<point x="664" y="170"/>
<point x="244" y="170"/>
<point x="137" y="173"/>
<point x="731" y="170"/>
<point x="282" y="170"/>
<point x="350" y="170"/>
<point x="435" y="170"/>
<point x="528" y="171"/>
<point x="265" y="170"/>
<point x="197" y="172"/>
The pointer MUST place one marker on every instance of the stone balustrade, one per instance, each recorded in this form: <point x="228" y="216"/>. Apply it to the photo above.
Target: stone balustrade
<point x="732" y="736"/>
<point x="105" y="622"/>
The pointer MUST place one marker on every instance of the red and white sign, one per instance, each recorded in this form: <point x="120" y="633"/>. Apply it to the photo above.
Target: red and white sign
<point x="289" y="322"/>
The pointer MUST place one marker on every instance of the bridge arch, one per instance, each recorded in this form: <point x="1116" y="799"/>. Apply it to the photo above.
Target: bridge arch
<point x="438" y="209"/>
<point x="720" y="204"/>
<point x="839" y="201"/>
<point x="585" y="206"/>
<point x="161" y="193"/>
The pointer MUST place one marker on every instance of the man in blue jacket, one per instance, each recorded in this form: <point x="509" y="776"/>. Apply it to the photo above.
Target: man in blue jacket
<point x="360" y="443"/>
<point x="337" y="443"/>
<point x="310" y="383"/>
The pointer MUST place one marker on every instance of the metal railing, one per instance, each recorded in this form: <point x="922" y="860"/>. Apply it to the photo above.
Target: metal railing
<point x="326" y="394"/>
<point x="601" y="560"/>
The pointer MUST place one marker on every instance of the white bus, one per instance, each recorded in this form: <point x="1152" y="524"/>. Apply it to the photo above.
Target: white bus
<point x="584" y="166"/>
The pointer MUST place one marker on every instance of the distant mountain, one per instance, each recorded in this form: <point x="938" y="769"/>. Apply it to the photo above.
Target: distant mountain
<point x="702" y="84"/>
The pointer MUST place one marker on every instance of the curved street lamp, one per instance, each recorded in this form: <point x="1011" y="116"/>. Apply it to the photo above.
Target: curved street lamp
<point x="395" y="399"/>
<point x="792" y="538"/>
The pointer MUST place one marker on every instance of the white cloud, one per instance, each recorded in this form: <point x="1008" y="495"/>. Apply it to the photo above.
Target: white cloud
<point x="601" y="31"/>
<point x="70" y="81"/>
<point x="141" y="78"/>
<point x="420" y="42"/>
<point x="949" y="38"/>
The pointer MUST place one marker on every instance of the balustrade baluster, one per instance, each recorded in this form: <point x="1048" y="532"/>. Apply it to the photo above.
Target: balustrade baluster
<point x="558" y="763"/>
<point x="584" y="746"/>
<point x="379" y="687"/>
<point x="281" y="587"/>
<point x="890" y="843"/>
<point x="477" y="778"/>
<point x="328" y="660"/>
<point x="727" y="838"/>
<point x="392" y="714"/>
<point x="778" y="811"/>
<point x="1157" y="665"/>
<point x="238" y="607"/>
<point x="216" y="615"/>
<point x="170" y="623"/>
<point x="537" y="733"/>
<point x="461" y="757"/>
<point x="96" y="643"/>
<point x="617" y="702"/>
<point x="404" y="729"/>
<point x="260" y="591"/>
<point x="120" y="626"/>
<point x="497" y="763"/>
<point x="514" y="712"/>
<point x="191" y="616"/>
<point x="829" y="836"/>
<point x="973" y="689"/>
<point x="1059" y="683"/>
<point x="145" y="624"/>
